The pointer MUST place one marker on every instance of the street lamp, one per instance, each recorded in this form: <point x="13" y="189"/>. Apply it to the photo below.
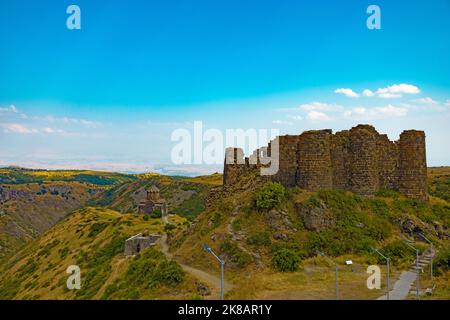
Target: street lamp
<point x="387" y="271"/>
<point x="336" y="272"/>
<point x="431" y="253"/>
<point x="222" y="263"/>
<point x="417" y="267"/>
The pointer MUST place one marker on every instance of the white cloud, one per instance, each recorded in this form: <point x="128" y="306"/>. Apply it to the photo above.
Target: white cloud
<point x="67" y="120"/>
<point x="18" y="128"/>
<point x="319" y="106"/>
<point x="427" y="100"/>
<point x="11" y="108"/>
<point x="388" y="111"/>
<point x="52" y="130"/>
<point x="447" y="103"/>
<point x="397" y="90"/>
<point x="368" y="93"/>
<point x="318" y="116"/>
<point x="296" y="117"/>
<point x="281" y="122"/>
<point x="347" y="92"/>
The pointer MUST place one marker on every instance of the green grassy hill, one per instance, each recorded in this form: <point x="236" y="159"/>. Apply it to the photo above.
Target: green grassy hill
<point x="93" y="239"/>
<point x="269" y="237"/>
<point x="31" y="201"/>
<point x="270" y="242"/>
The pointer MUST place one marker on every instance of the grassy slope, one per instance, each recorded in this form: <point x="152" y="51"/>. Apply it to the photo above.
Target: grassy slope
<point x="249" y="255"/>
<point x="43" y="198"/>
<point x="184" y="196"/>
<point x="92" y="238"/>
<point x="232" y="214"/>
<point x="17" y="175"/>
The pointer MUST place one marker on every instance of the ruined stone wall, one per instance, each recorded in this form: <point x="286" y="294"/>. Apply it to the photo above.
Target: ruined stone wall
<point x="412" y="167"/>
<point x="340" y="158"/>
<point x="360" y="160"/>
<point x="314" y="171"/>
<point x="363" y="166"/>
<point x="387" y="163"/>
<point x="234" y="166"/>
<point x="288" y="149"/>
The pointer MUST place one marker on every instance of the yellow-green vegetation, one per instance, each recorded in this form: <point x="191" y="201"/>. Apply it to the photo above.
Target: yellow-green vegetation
<point x="184" y="196"/>
<point x="258" y="227"/>
<point x="268" y="250"/>
<point x="17" y="175"/>
<point x="29" y="209"/>
<point x="439" y="182"/>
<point x="93" y="239"/>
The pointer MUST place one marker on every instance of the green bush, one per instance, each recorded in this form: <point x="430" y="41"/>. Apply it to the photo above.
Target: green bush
<point x="285" y="260"/>
<point x="270" y="196"/>
<point x="356" y="230"/>
<point x="236" y="255"/>
<point x="96" y="228"/>
<point x="148" y="271"/>
<point x="156" y="214"/>
<point x="259" y="239"/>
<point x="169" y="227"/>
<point x="441" y="262"/>
<point x="398" y="252"/>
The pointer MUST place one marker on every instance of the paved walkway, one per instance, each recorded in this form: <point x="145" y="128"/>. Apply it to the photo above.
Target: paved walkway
<point x="402" y="286"/>
<point x="212" y="280"/>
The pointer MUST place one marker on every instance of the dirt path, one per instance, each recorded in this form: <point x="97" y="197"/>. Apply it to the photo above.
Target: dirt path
<point x="212" y="281"/>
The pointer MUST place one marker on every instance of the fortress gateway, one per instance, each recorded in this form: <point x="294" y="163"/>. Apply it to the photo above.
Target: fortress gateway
<point x="359" y="160"/>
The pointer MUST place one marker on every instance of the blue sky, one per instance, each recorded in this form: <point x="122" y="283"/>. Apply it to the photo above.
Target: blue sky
<point x="109" y="95"/>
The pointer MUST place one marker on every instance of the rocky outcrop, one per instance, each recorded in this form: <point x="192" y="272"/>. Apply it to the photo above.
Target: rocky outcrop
<point x="315" y="218"/>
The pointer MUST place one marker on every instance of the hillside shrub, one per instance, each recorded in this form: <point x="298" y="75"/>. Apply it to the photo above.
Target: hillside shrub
<point x="259" y="239"/>
<point x="270" y="195"/>
<point x="441" y="262"/>
<point x="146" y="273"/>
<point x="285" y="260"/>
<point x="234" y="253"/>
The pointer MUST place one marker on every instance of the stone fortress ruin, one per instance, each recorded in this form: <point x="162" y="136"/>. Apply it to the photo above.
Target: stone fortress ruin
<point x="359" y="160"/>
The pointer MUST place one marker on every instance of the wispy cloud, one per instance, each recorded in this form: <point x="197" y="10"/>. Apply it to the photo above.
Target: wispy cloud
<point x="11" y="108"/>
<point x="427" y="101"/>
<point x="282" y="122"/>
<point x="17" y="128"/>
<point x="393" y="91"/>
<point x="319" y="106"/>
<point x="397" y="90"/>
<point x="388" y="111"/>
<point x="368" y="93"/>
<point x="347" y="92"/>
<point x="317" y="116"/>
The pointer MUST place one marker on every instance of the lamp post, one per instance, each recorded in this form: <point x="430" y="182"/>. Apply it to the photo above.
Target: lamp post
<point x="222" y="263"/>
<point x="387" y="271"/>
<point x="336" y="273"/>
<point x="431" y="252"/>
<point x="417" y="268"/>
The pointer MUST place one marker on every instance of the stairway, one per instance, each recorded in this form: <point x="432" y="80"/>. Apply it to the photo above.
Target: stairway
<point x="424" y="261"/>
<point x="407" y="279"/>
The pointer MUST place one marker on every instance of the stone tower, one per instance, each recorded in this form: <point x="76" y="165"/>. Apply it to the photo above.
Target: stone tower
<point x="412" y="166"/>
<point x="363" y="166"/>
<point x="314" y="171"/>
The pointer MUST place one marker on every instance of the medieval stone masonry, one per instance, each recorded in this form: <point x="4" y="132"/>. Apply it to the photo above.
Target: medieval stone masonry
<point x="359" y="160"/>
